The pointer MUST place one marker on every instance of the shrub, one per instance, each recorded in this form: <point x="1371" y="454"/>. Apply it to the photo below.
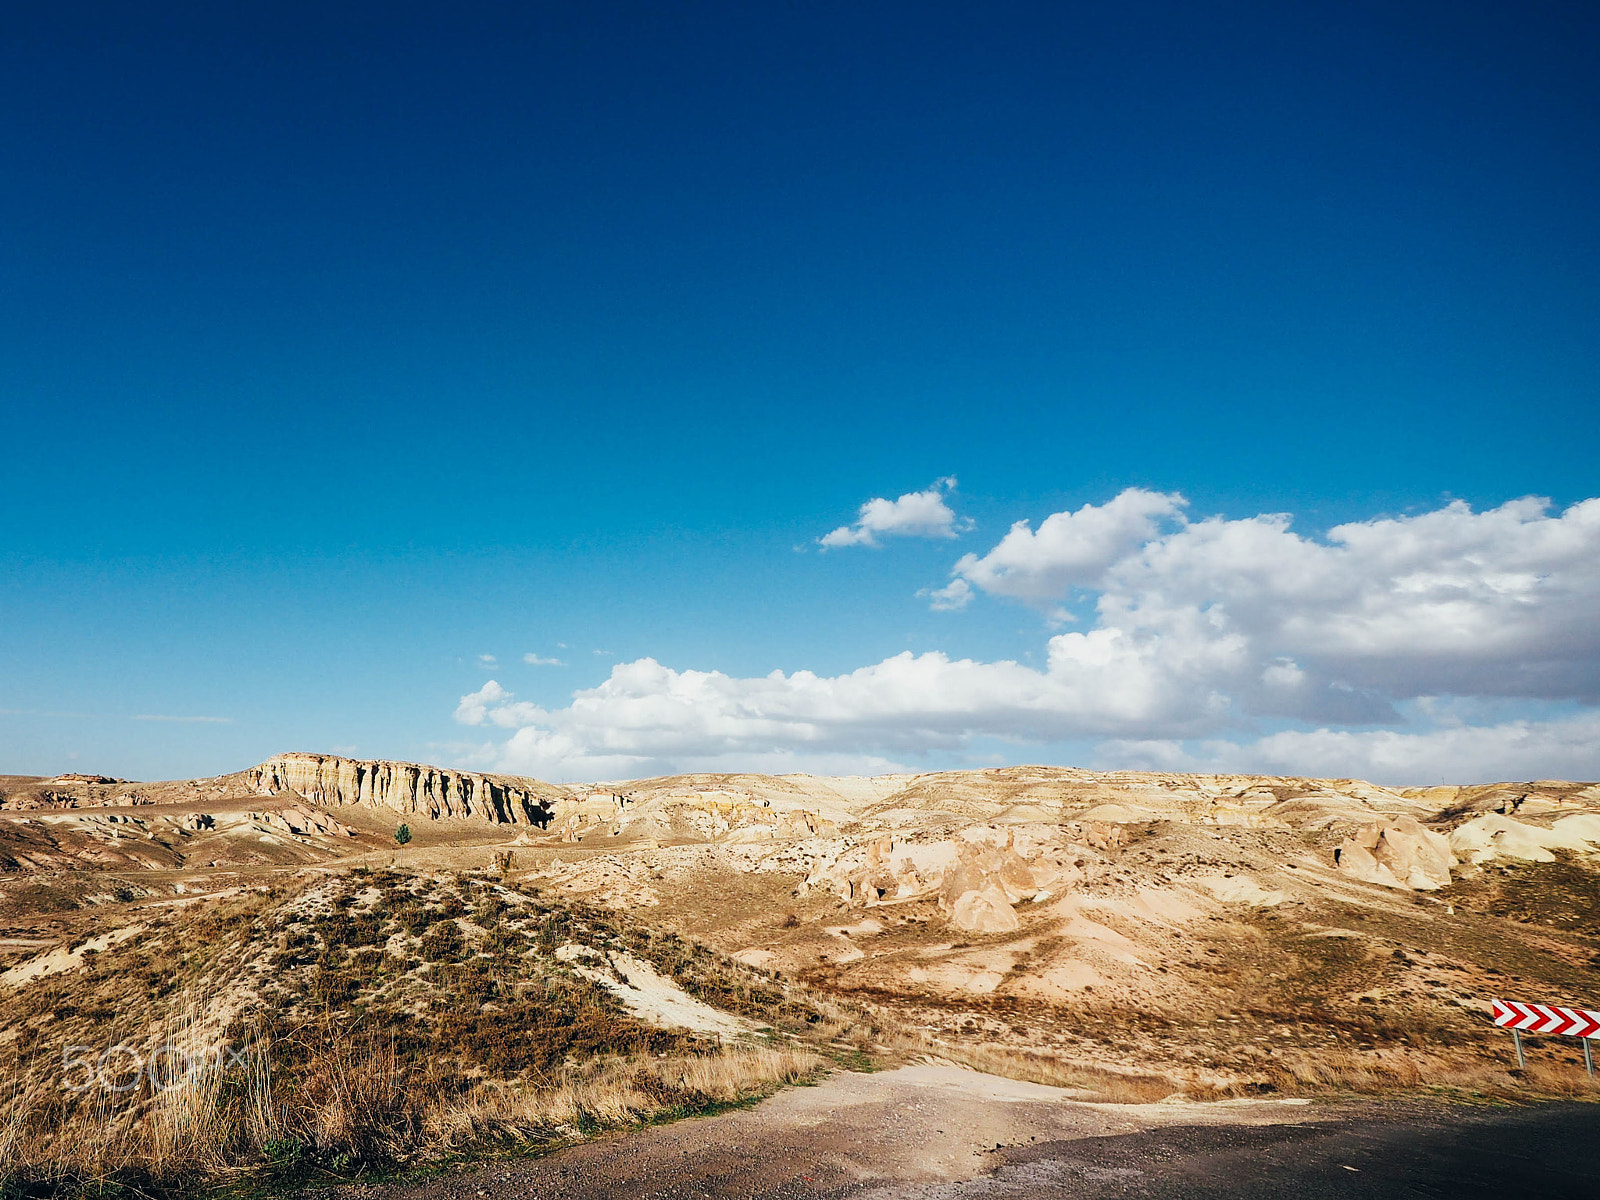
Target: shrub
<point x="442" y="942"/>
<point x="489" y="910"/>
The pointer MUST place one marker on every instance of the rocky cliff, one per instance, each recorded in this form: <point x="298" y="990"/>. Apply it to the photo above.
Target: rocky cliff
<point x="408" y="788"/>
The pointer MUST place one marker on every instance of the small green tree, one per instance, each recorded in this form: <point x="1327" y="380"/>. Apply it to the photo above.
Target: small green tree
<point x="403" y="834"/>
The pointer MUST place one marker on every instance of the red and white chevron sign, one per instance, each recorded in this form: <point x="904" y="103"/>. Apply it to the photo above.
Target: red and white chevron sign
<point x="1546" y="1018"/>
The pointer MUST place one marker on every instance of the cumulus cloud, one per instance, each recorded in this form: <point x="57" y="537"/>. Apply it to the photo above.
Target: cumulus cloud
<point x="1070" y="549"/>
<point x="474" y="707"/>
<point x="1205" y="632"/>
<point x="493" y="705"/>
<point x="1566" y="748"/>
<point x="915" y="514"/>
<point x="1499" y="602"/>
<point x="533" y="660"/>
<point x="647" y="717"/>
<point x="953" y="597"/>
<point x="650" y="719"/>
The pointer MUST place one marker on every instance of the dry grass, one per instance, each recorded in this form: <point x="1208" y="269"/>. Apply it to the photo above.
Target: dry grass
<point x="352" y="1099"/>
<point x="356" y="1055"/>
<point x="192" y="1111"/>
<point x="1111" y="1087"/>
<point x="1465" y="1072"/>
<point x="1400" y="1069"/>
<point x="185" y="1126"/>
<point x="355" y="1104"/>
<point x="612" y="1094"/>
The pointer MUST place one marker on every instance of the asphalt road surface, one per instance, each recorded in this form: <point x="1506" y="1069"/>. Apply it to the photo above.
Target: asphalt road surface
<point x="1539" y="1152"/>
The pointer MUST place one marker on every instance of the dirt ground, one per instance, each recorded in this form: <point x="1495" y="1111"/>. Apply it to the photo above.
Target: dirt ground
<point x="1137" y="936"/>
<point x="925" y="1124"/>
<point x="931" y="1132"/>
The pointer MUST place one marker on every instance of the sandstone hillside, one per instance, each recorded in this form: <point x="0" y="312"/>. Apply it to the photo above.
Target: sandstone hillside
<point x="1203" y="934"/>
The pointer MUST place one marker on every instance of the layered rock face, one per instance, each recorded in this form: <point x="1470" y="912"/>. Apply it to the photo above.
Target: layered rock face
<point x="297" y="822"/>
<point x="408" y="788"/>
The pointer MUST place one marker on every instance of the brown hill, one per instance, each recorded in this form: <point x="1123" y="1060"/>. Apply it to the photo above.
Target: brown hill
<point x="1218" y="932"/>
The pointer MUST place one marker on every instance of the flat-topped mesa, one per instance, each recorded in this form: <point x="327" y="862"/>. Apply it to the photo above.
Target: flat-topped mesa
<point x="410" y="788"/>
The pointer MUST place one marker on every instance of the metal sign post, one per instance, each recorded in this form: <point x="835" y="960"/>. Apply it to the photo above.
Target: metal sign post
<point x="1519" y="1017"/>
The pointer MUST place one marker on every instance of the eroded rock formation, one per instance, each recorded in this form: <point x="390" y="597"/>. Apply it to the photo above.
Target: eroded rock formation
<point x="299" y="822"/>
<point x="977" y="875"/>
<point x="408" y="788"/>
<point x="1397" y="853"/>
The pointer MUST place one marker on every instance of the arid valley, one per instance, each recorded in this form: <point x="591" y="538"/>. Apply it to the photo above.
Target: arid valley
<point x="866" y="601"/>
<point x="262" y="972"/>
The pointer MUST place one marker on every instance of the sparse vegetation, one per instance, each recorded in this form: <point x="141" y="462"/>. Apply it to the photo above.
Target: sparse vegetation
<point x="382" y="1032"/>
<point x="388" y="1017"/>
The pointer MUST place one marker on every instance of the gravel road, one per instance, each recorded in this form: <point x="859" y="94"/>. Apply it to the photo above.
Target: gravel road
<point x="940" y="1133"/>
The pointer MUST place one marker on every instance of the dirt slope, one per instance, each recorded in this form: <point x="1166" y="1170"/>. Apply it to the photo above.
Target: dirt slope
<point x="1222" y="933"/>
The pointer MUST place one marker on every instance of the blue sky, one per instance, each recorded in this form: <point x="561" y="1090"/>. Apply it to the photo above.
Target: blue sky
<point x="343" y="345"/>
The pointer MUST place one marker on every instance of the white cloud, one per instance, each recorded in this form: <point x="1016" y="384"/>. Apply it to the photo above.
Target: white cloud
<point x="1283" y="673"/>
<point x="648" y="718"/>
<point x="1500" y="602"/>
<point x="1202" y="631"/>
<point x="953" y="597"/>
<point x="915" y="514"/>
<point x="493" y="705"/>
<point x="1071" y="549"/>
<point x="1567" y="748"/>
<point x="533" y="660"/>
<point x="474" y="707"/>
<point x="487" y="660"/>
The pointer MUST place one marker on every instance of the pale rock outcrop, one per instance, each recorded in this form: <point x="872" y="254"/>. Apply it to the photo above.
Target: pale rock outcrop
<point x="982" y="909"/>
<point x="1398" y="853"/>
<point x="978" y="894"/>
<point x="408" y="788"/>
<point x="648" y="994"/>
<point x="976" y="875"/>
<point x="1098" y="835"/>
<point x="1495" y="836"/>
<point x="1240" y="889"/>
<point x="301" y="822"/>
<point x="1584" y="826"/>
